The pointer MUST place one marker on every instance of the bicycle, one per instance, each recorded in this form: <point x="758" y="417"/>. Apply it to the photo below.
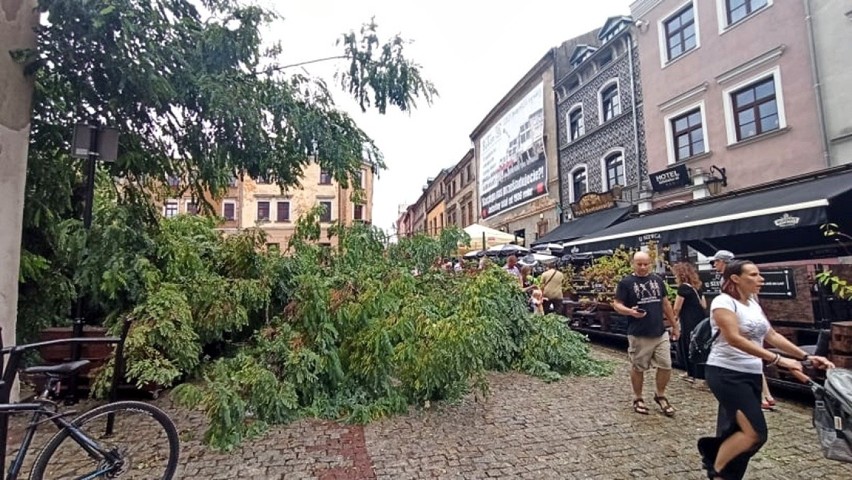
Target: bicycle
<point x="99" y="444"/>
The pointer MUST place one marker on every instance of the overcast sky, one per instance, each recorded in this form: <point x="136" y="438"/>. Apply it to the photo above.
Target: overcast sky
<point x="474" y="52"/>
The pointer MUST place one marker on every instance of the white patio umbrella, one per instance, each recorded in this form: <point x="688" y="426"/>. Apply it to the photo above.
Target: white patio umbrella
<point x="534" y="259"/>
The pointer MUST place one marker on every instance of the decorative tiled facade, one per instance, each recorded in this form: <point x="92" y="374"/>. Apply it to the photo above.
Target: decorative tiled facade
<point x="619" y="132"/>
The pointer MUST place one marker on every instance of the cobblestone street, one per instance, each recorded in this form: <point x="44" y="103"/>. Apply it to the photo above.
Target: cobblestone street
<point x="575" y="428"/>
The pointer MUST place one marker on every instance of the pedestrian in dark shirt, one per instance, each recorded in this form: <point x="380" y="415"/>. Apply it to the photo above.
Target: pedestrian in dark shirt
<point x="690" y="308"/>
<point x="641" y="296"/>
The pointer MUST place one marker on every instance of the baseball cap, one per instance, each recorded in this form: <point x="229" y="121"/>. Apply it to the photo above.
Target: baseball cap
<point x="723" y="255"/>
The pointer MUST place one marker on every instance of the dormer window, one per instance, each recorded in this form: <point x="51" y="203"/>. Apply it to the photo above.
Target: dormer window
<point x="580" y="54"/>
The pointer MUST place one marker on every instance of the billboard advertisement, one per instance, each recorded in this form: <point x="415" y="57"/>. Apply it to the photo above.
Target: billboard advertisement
<point x="512" y="164"/>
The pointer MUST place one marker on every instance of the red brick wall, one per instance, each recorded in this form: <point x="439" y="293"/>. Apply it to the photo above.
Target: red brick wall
<point x="799" y="309"/>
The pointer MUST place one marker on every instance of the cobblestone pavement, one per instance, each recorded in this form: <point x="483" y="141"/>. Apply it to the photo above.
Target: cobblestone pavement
<point x="572" y="429"/>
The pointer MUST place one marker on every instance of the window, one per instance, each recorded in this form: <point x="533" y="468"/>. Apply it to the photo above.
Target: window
<point x="282" y="213"/>
<point x="680" y="32"/>
<point x="359" y="179"/>
<point x="614" y="168"/>
<point x="576" y="126"/>
<point x="579" y="183"/>
<point x="574" y="84"/>
<point x="173" y="181"/>
<point x="755" y="109"/>
<point x="262" y="211"/>
<point x="610" y="104"/>
<point x="170" y="209"/>
<point x="325" y="177"/>
<point x="469" y="213"/>
<point x="325" y="216"/>
<point x="191" y="208"/>
<point x="687" y="135"/>
<point x="736" y="10"/>
<point x="358" y="212"/>
<point x="229" y="211"/>
<point x="605" y="58"/>
<point x="468" y="175"/>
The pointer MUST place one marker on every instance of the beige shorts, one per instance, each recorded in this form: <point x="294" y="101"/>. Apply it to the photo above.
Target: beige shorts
<point x="645" y="352"/>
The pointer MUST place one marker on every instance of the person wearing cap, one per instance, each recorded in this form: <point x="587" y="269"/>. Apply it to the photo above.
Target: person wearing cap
<point x="720" y="260"/>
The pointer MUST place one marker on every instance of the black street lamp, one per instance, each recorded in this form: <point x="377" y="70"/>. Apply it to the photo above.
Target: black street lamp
<point x="92" y="143"/>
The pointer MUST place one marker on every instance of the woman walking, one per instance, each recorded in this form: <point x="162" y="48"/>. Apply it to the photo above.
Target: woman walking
<point x="734" y="370"/>
<point x="690" y="307"/>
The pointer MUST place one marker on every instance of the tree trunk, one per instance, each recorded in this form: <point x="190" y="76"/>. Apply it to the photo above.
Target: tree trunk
<point x="17" y="19"/>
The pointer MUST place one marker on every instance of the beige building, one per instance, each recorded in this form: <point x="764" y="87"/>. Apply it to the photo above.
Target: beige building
<point x="515" y="155"/>
<point x="726" y="85"/>
<point x="435" y="207"/>
<point x="461" y="193"/>
<point x="831" y="36"/>
<point x="254" y="203"/>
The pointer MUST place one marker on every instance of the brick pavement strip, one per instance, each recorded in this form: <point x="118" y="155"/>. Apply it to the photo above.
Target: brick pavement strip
<point x="578" y="428"/>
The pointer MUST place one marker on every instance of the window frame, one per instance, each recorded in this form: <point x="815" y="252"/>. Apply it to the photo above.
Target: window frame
<point x="605" y="186"/>
<point x="662" y="33"/>
<point x="326" y="216"/>
<point x="278" y="204"/>
<point x="574" y="108"/>
<point x="572" y="194"/>
<point x="233" y="205"/>
<point x="166" y="208"/>
<point x="730" y="116"/>
<point x="724" y="18"/>
<point x="356" y="208"/>
<point x="325" y="177"/>
<point x="606" y="86"/>
<point x="258" y="218"/>
<point x="671" y="152"/>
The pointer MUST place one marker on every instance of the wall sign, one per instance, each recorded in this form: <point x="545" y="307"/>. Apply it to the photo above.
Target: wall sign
<point x="670" y="178"/>
<point x="778" y="283"/>
<point x="592" y="202"/>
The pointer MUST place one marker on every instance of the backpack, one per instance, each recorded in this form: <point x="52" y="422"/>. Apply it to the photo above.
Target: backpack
<point x="701" y="341"/>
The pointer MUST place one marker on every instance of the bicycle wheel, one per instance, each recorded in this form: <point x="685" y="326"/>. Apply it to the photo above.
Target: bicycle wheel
<point x="144" y="442"/>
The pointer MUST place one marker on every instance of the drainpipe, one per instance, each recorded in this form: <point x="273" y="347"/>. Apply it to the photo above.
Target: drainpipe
<point x="558" y="129"/>
<point x="635" y="111"/>
<point x="826" y="153"/>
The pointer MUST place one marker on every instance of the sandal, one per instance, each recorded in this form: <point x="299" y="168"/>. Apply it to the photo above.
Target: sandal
<point x="639" y="407"/>
<point x="665" y="406"/>
<point x="766" y="406"/>
<point x="770" y="401"/>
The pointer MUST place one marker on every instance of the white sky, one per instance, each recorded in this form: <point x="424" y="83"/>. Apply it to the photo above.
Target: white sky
<point x="474" y="51"/>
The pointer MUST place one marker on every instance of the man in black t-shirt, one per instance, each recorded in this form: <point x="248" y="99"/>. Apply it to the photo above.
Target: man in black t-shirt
<point x="641" y="296"/>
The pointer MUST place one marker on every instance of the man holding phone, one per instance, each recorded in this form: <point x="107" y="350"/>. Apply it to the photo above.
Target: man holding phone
<point x="641" y="297"/>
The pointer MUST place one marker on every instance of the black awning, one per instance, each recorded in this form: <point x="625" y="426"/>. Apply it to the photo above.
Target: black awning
<point x="587" y="225"/>
<point x="782" y="213"/>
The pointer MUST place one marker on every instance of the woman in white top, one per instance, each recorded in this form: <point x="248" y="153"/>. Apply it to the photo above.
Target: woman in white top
<point x="735" y="368"/>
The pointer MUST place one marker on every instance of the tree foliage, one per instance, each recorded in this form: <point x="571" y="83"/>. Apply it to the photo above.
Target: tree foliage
<point x="369" y="330"/>
<point x="196" y="95"/>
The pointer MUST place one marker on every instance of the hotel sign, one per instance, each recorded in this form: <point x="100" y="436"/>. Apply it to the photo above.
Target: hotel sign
<point x="670" y="178"/>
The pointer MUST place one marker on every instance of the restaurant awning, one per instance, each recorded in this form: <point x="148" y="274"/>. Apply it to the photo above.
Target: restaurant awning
<point x="587" y="225"/>
<point x="770" y="223"/>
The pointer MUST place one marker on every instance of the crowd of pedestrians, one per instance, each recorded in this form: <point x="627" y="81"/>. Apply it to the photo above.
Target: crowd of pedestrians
<point x="734" y="368"/>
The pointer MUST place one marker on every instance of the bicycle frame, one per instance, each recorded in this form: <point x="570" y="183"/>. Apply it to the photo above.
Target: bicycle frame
<point x="10" y="372"/>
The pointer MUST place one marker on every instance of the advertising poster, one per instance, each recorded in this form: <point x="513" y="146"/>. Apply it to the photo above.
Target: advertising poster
<point x="512" y="166"/>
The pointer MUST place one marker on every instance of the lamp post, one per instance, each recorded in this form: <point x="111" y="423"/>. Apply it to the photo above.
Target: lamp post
<point x="90" y="142"/>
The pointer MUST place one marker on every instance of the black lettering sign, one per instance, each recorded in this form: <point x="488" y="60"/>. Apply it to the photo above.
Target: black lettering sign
<point x="778" y="283"/>
<point x="674" y="177"/>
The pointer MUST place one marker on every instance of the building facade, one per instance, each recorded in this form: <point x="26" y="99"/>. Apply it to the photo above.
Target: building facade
<point x="254" y="203"/>
<point x="830" y="30"/>
<point x="728" y="88"/>
<point x="435" y="207"/>
<point x="461" y="192"/>
<point x="599" y="113"/>
<point x="516" y="157"/>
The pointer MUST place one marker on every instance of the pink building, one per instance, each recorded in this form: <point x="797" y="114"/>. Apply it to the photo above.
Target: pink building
<point x="726" y="83"/>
